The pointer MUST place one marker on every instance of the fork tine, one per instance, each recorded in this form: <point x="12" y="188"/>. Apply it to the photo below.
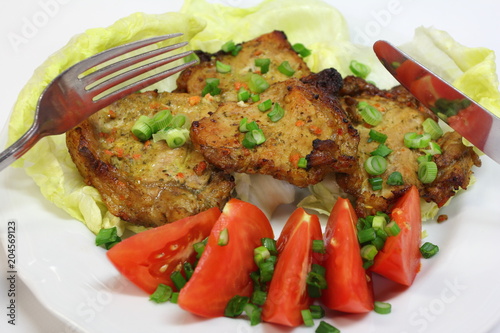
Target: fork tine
<point x="143" y="83"/>
<point x="117" y="51"/>
<point x="114" y="67"/>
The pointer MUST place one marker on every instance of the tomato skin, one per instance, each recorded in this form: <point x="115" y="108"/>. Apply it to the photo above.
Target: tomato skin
<point x="287" y="294"/>
<point x="399" y="259"/>
<point x="349" y="286"/>
<point x="141" y="257"/>
<point x="224" y="271"/>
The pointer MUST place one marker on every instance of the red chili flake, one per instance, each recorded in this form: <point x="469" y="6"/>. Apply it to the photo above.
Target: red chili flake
<point x="200" y="168"/>
<point x="155" y="105"/>
<point x="315" y="130"/>
<point x="294" y="159"/>
<point x="300" y="123"/>
<point x="442" y="218"/>
<point x="111" y="114"/>
<point x="180" y="175"/>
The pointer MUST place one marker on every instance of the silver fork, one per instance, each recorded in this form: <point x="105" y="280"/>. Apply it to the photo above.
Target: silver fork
<point x="72" y="97"/>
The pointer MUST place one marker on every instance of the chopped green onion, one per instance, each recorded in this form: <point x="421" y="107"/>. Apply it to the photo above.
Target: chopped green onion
<point x="260" y="254"/>
<point x="366" y="235"/>
<point x="270" y="244"/>
<point x="237" y="49"/>
<point x="161" y="120"/>
<point x="221" y="67"/>
<point x="191" y="57"/>
<point x="317" y="311"/>
<point x="200" y="247"/>
<point x="324" y="327"/>
<point x="427" y="172"/>
<point x="235" y="306"/>
<point x="253" y="138"/>
<point x="175" y="297"/>
<point x="367" y="263"/>
<point x="188" y="269"/>
<point x="359" y="69"/>
<point x="243" y="94"/>
<point x="369" y="252"/>
<point x="302" y="163"/>
<point x="211" y="87"/>
<point x="378" y="242"/>
<point x="316" y="279"/>
<point x="318" y="246"/>
<point x="259" y="297"/>
<point x="382" y="308"/>
<point x="379" y="222"/>
<point x="369" y="113"/>
<point x="392" y="228"/>
<point x="178" y="279"/>
<point x="424" y="158"/>
<point x="263" y="63"/>
<point x="286" y="68"/>
<point x="428" y="250"/>
<point x="266" y="105"/>
<point x="255" y="97"/>
<point x="223" y="239"/>
<point x="307" y="317"/>
<point x="301" y="49"/>
<point x="107" y="237"/>
<point x="266" y="269"/>
<point x="381" y="233"/>
<point x="178" y="121"/>
<point x="432" y="127"/>
<point x="228" y="46"/>
<point x="395" y="178"/>
<point x="375" y="165"/>
<point x="382" y="150"/>
<point x="257" y="83"/>
<point x="377" y="136"/>
<point x="277" y="113"/>
<point x="175" y="137"/>
<point x="434" y="149"/>
<point x="414" y="140"/>
<point x="162" y="294"/>
<point x="254" y="313"/>
<point x="143" y="128"/>
<point x="376" y="183"/>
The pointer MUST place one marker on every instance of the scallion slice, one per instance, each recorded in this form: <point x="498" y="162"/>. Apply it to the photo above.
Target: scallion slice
<point x="259" y="297"/>
<point x="266" y="269"/>
<point x="375" y="165"/>
<point x="395" y="178"/>
<point x="237" y="49"/>
<point x="178" y="279"/>
<point x="211" y="87"/>
<point x="369" y="252"/>
<point x="392" y="228"/>
<point x="432" y="127"/>
<point x="286" y="68"/>
<point x="162" y="294"/>
<point x="416" y="141"/>
<point x="302" y="163"/>
<point x="191" y="57"/>
<point x="277" y="113"/>
<point x="379" y="222"/>
<point x="223" y="239"/>
<point x="188" y="270"/>
<point x="427" y="172"/>
<point x="143" y="128"/>
<point x="265" y="106"/>
<point x="221" y="67"/>
<point x="260" y="254"/>
<point x="318" y="246"/>
<point x="235" y="306"/>
<point x="376" y="183"/>
<point x="108" y="237"/>
<point x="228" y="46"/>
<point x="382" y="150"/>
<point x="175" y="297"/>
<point x="243" y="94"/>
<point x="366" y="235"/>
<point x="257" y="83"/>
<point x="161" y="120"/>
<point x="200" y="247"/>
<point x="253" y="138"/>
<point x="359" y="69"/>
<point x="369" y="113"/>
<point x="382" y="307"/>
<point x="324" y="327"/>
<point x="377" y="136"/>
<point x="254" y="313"/>
<point x="428" y="250"/>
<point x="263" y="64"/>
<point x="301" y="49"/>
<point x="434" y="149"/>
<point x="270" y="244"/>
<point x="317" y="311"/>
<point x="175" y="137"/>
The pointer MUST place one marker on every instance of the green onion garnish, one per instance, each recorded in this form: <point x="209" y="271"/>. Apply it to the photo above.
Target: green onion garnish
<point x="221" y="67"/>
<point x="253" y="138"/>
<point x="257" y="83"/>
<point x="286" y="68"/>
<point x="302" y="163"/>
<point x="376" y="183"/>
<point x="260" y="254"/>
<point x="369" y="113"/>
<point x="359" y="69"/>
<point x="265" y="106"/>
<point x="424" y="158"/>
<point x="178" y="279"/>
<point x="200" y="247"/>
<point x="301" y="49"/>
<point x="255" y="97"/>
<point x="366" y="235"/>
<point x="263" y="63"/>
<point x="427" y="172"/>
<point x="188" y="270"/>
<point x="378" y="242"/>
<point x="324" y="327"/>
<point x="175" y="297"/>
<point x="211" y="87"/>
<point x="434" y="149"/>
<point x="175" y="137"/>
<point x="369" y="252"/>
<point x="236" y="49"/>
<point x="392" y="228"/>
<point x="266" y="269"/>
<point x="375" y="165"/>
<point x="235" y="306"/>
<point x="428" y="250"/>
<point x="243" y="94"/>
<point x="317" y="311"/>
<point x="223" y="239"/>
<point x="307" y="317"/>
<point x="382" y="150"/>
<point x="254" y="313"/>
<point x="191" y="57"/>
<point x="381" y="307"/>
<point x="107" y="237"/>
<point x="379" y="222"/>
<point x="432" y="127"/>
<point x="143" y="128"/>
<point x="277" y="113"/>
<point x="161" y="120"/>
<point x="162" y="294"/>
<point x="377" y="136"/>
<point x="270" y="244"/>
<point x="395" y="178"/>
<point x="316" y="279"/>
<point x="259" y="297"/>
<point x="228" y="46"/>
<point x="318" y="246"/>
<point x="414" y="140"/>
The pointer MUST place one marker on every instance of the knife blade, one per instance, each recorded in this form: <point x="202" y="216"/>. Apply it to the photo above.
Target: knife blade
<point x="475" y="123"/>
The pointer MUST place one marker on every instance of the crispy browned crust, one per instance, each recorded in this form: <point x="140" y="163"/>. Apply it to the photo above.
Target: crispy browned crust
<point x="273" y="45"/>
<point x="402" y="113"/>
<point x="314" y="127"/>
<point x="145" y="184"/>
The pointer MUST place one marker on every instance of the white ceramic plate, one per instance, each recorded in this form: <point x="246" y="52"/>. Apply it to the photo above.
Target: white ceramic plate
<point x="457" y="291"/>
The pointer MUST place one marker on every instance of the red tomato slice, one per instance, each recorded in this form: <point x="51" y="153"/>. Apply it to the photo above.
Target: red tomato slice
<point x="349" y="286"/>
<point x="224" y="271"/>
<point x="148" y="258"/>
<point x="399" y="259"/>
<point x="287" y="294"/>
<point x="409" y="71"/>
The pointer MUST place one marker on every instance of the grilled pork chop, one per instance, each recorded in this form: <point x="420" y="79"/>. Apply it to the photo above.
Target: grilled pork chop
<point x="274" y="46"/>
<point x="402" y="113"/>
<point x="147" y="183"/>
<point x="314" y="127"/>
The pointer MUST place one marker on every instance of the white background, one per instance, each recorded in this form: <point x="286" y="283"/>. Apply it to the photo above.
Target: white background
<point x="47" y="25"/>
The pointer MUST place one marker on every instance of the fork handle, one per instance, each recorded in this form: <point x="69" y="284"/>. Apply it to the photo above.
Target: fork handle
<point x="20" y="147"/>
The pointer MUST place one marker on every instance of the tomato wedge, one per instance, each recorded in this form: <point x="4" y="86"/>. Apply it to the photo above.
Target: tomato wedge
<point x="399" y="259"/>
<point x="287" y="294"/>
<point x="349" y="286"/>
<point x="223" y="271"/>
<point x="148" y="258"/>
